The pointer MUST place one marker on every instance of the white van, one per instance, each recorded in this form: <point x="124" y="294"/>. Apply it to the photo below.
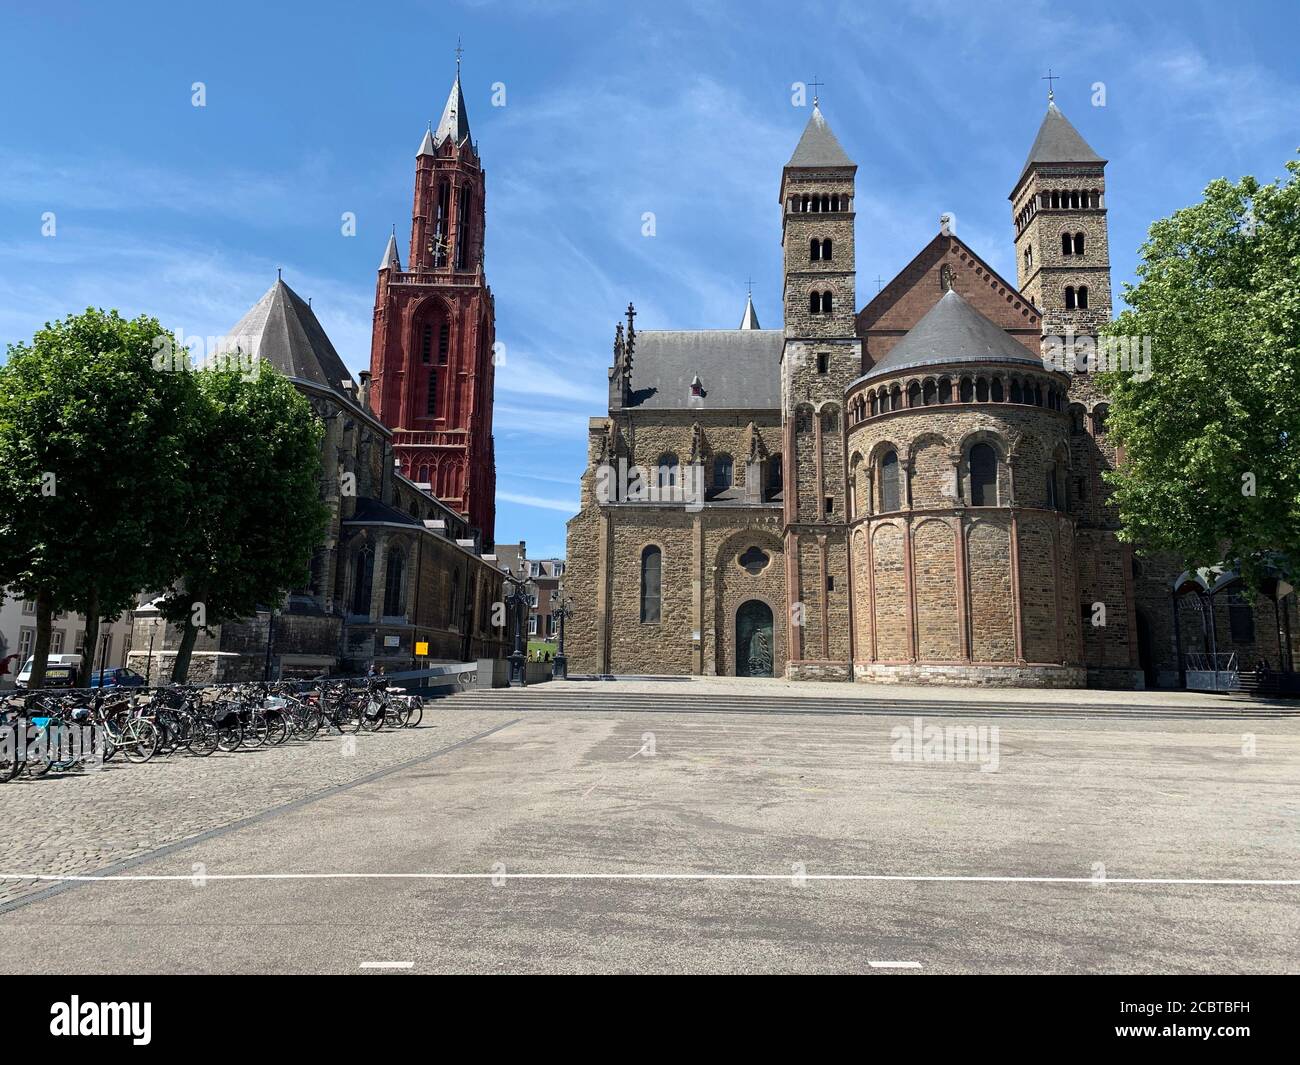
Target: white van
<point x="60" y="671"/>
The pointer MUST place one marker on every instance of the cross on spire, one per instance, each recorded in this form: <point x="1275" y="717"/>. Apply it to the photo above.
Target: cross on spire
<point x="749" y="283"/>
<point x="815" y="86"/>
<point x="880" y="282"/>
<point x="1049" y="78"/>
<point x="459" y="51"/>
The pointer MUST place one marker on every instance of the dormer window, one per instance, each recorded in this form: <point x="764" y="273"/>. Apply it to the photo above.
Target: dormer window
<point x="697" y="386"/>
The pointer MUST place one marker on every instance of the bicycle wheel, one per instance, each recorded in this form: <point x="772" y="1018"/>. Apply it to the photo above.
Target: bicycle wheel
<point x="142" y="741"/>
<point x="255" y="731"/>
<point x="277" y="729"/>
<point x="417" y="713"/>
<point x="203" y="737"/>
<point x="230" y="736"/>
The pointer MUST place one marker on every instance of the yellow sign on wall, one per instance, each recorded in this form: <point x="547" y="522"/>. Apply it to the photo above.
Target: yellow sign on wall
<point x="421" y="648"/>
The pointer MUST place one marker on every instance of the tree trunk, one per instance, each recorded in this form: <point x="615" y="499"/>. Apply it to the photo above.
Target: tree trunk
<point x="185" y="650"/>
<point x="92" y="638"/>
<point x="41" y="650"/>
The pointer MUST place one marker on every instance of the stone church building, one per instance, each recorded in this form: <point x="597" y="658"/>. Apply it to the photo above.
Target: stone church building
<point x="906" y="491"/>
<point x="407" y="466"/>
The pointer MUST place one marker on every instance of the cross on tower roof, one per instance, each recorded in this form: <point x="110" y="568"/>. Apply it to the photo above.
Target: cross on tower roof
<point x="749" y="283"/>
<point x="459" y="50"/>
<point x="1050" y="77"/>
<point x="815" y="86"/>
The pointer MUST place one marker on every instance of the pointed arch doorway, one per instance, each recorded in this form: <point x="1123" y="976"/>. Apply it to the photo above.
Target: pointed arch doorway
<point x="754" y="648"/>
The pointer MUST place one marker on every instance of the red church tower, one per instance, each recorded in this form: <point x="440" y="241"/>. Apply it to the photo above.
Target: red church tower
<point x="431" y="361"/>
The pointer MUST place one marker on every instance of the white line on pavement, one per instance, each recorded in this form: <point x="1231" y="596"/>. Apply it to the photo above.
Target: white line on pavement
<point x="797" y="878"/>
<point x="387" y="964"/>
<point x="894" y="964"/>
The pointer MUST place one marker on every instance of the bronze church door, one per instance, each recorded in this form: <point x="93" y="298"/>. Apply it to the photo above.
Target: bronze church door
<point x="754" y="640"/>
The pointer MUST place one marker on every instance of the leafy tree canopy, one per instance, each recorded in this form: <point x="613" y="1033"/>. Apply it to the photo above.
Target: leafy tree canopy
<point x="1211" y="440"/>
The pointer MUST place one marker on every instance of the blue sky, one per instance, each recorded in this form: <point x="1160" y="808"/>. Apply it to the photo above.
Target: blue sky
<point x="611" y="110"/>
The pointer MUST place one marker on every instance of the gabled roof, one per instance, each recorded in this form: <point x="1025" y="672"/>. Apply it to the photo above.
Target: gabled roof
<point x="737" y="368"/>
<point x="1058" y="142"/>
<point x="952" y="331"/>
<point x="282" y="329"/>
<point x="455" y="120"/>
<point x="818" y="146"/>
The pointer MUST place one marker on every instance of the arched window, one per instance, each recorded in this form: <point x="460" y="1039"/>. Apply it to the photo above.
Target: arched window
<point x="1050" y="496"/>
<point x="431" y="394"/>
<point x="1029" y="256"/>
<point x="914" y="395"/>
<point x="826" y="303"/>
<point x="967" y="390"/>
<point x="982" y="389"/>
<point x="826" y="248"/>
<point x="814" y="249"/>
<point x="722" y="472"/>
<point x="1067" y="244"/>
<point x="1069" y="297"/>
<point x="669" y="472"/>
<point x="1015" y="391"/>
<point x="1099" y="419"/>
<point x="814" y="303"/>
<point x="1082" y="297"/>
<point x="929" y="393"/>
<point x="363" y="575"/>
<point x="945" y="391"/>
<point x="889" y="494"/>
<point x="395" y="584"/>
<point x="995" y="390"/>
<point x="651" y="567"/>
<point x="1078" y="244"/>
<point x="875" y="404"/>
<point x="896" y="398"/>
<point x="983" y="476"/>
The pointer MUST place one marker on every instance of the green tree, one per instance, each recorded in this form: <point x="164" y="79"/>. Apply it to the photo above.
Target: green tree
<point x="91" y="470"/>
<point x="253" y="516"/>
<point x="1211" y="440"/>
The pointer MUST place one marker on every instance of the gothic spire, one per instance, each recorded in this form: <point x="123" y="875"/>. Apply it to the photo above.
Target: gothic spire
<point x="455" y="120"/>
<point x="750" y="320"/>
<point x="390" y="261"/>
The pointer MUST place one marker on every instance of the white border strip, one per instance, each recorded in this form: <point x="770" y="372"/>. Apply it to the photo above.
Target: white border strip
<point x="794" y="878"/>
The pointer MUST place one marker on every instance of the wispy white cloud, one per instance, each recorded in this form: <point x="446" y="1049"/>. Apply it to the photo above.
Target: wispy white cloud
<point x="542" y="502"/>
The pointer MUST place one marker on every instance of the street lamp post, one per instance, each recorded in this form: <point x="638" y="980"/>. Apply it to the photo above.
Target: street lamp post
<point x="560" y="670"/>
<point x="518" y="599"/>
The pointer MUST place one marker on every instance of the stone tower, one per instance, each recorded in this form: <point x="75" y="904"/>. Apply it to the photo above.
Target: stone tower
<point x="1058" y="210"/>
<point x="821" y="356"/>
<point x="434" y="328"/>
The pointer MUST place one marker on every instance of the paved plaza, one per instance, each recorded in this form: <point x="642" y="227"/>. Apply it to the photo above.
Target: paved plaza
<point x="674" y="826"/>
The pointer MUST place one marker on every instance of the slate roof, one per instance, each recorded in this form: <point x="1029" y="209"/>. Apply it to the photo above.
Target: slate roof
<point x="282" y="329"/>
<point x="391" y="258"/>
<point x="1059" y="142"/>
<point x="952" y="331"/>
<point x="818" y="146"/>
<point x="455" y="120"/>
<point x="738" y="368"/>
<point x="371" y="510"/>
